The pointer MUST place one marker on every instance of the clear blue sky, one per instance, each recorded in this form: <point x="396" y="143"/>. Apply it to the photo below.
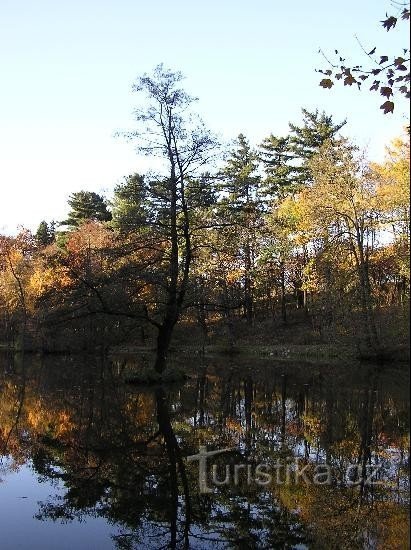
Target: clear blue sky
<point x="67" y="69"/>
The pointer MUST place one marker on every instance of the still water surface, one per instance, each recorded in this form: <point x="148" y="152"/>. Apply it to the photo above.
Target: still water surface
<point x="89" y="462"/>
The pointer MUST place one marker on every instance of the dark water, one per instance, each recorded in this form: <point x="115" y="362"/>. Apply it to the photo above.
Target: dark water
<point x="88" y="462"/>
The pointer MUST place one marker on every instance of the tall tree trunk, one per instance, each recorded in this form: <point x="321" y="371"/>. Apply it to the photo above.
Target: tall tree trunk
<point x="283" y="298"/>
<point x="165" y="332"/>
<point x="372" y="337"/>
<point x="248" y="286"/>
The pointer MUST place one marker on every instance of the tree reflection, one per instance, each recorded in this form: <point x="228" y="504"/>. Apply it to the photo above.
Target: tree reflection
<point x="119" y="453"/>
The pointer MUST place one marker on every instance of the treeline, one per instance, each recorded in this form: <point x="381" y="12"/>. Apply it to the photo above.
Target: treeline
<point x="302" y="228"/>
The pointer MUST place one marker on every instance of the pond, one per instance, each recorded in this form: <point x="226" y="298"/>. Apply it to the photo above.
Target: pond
<point x="248" y="453"/>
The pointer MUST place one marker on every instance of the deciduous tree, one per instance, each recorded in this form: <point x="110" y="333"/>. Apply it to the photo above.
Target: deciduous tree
<point x="168" y="131"/>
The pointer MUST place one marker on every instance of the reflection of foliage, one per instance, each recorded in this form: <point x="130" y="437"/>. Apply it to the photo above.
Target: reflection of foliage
<point x="99" y="443"/>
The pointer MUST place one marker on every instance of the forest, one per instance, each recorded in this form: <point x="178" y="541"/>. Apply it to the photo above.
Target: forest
<point x="204" y="333"/>
<point x="299" y="243"/>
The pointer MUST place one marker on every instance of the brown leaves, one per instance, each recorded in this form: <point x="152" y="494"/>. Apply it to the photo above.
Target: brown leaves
<point x="399" y="61"/>
<point x="393" y="70"/>
<point x="386" y="91"/>
<point x="349" y="80"/>
<point x="388" y="107"/>
<point x="326" y="83"/>
<point x="389" y="23"/>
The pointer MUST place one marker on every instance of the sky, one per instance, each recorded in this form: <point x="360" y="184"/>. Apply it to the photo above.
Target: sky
<point x="67" y="69"/>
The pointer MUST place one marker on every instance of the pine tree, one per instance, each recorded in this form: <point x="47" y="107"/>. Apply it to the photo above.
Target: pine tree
<point x="130" y="207"/>
<point x="45" y="233"/>
<point x="86" y="205"/>
<point x="277" y="156"/>
<point x="240" y="179"/>
<point x="241" y="208"/>
<point x="307" y="139"/>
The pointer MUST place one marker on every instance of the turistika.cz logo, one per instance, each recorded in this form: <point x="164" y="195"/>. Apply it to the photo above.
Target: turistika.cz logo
<point x="278" y="472"/>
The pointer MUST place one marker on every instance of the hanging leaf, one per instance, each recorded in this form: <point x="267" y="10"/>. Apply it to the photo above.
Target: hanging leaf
<point x="326" y="83"/>
<point x="388" y="107"/>
<point x="386" y="91"/>
<point x="389" y="23"/>
<point x="349" y="80"/>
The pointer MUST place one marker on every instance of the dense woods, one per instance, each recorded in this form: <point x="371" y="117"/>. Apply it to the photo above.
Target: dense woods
<point x="301" y="239"/>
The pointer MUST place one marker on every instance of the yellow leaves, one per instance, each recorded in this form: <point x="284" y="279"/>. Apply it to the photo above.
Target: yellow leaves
<point x="393" y="526"/>
<point x="393" y="199"/>
<point x="40" y="281"/>
<point x="43" y="419"/>
<point x="393" y="177"/>
<point x="347" y="448"/>
<point x="234" y="275"/>
<point x="290" y="211"/>
<point x="63" y="424"/>
<point x="313" y="425"/>
<point x="310" y="275"/>
<point x="233" y="425"/>
<point x="15" y="257"/>
<point x="141" y="408"/>
<point x="288" y="222"/>
<point x="145" y="292"/>
<point x="342" y="196"/>
<point x="46" y="278"/>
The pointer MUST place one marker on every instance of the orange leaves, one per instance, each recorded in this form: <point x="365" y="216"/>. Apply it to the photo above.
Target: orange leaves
<point x="45" y="278"/>
<point x="89" y="236"/>
<point x="85" y="246"/>
<point x="44" y="419"/>
<point x="234" y="275"/>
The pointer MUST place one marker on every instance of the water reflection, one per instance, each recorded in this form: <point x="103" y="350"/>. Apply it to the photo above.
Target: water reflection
<point x="116" y="454"/>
